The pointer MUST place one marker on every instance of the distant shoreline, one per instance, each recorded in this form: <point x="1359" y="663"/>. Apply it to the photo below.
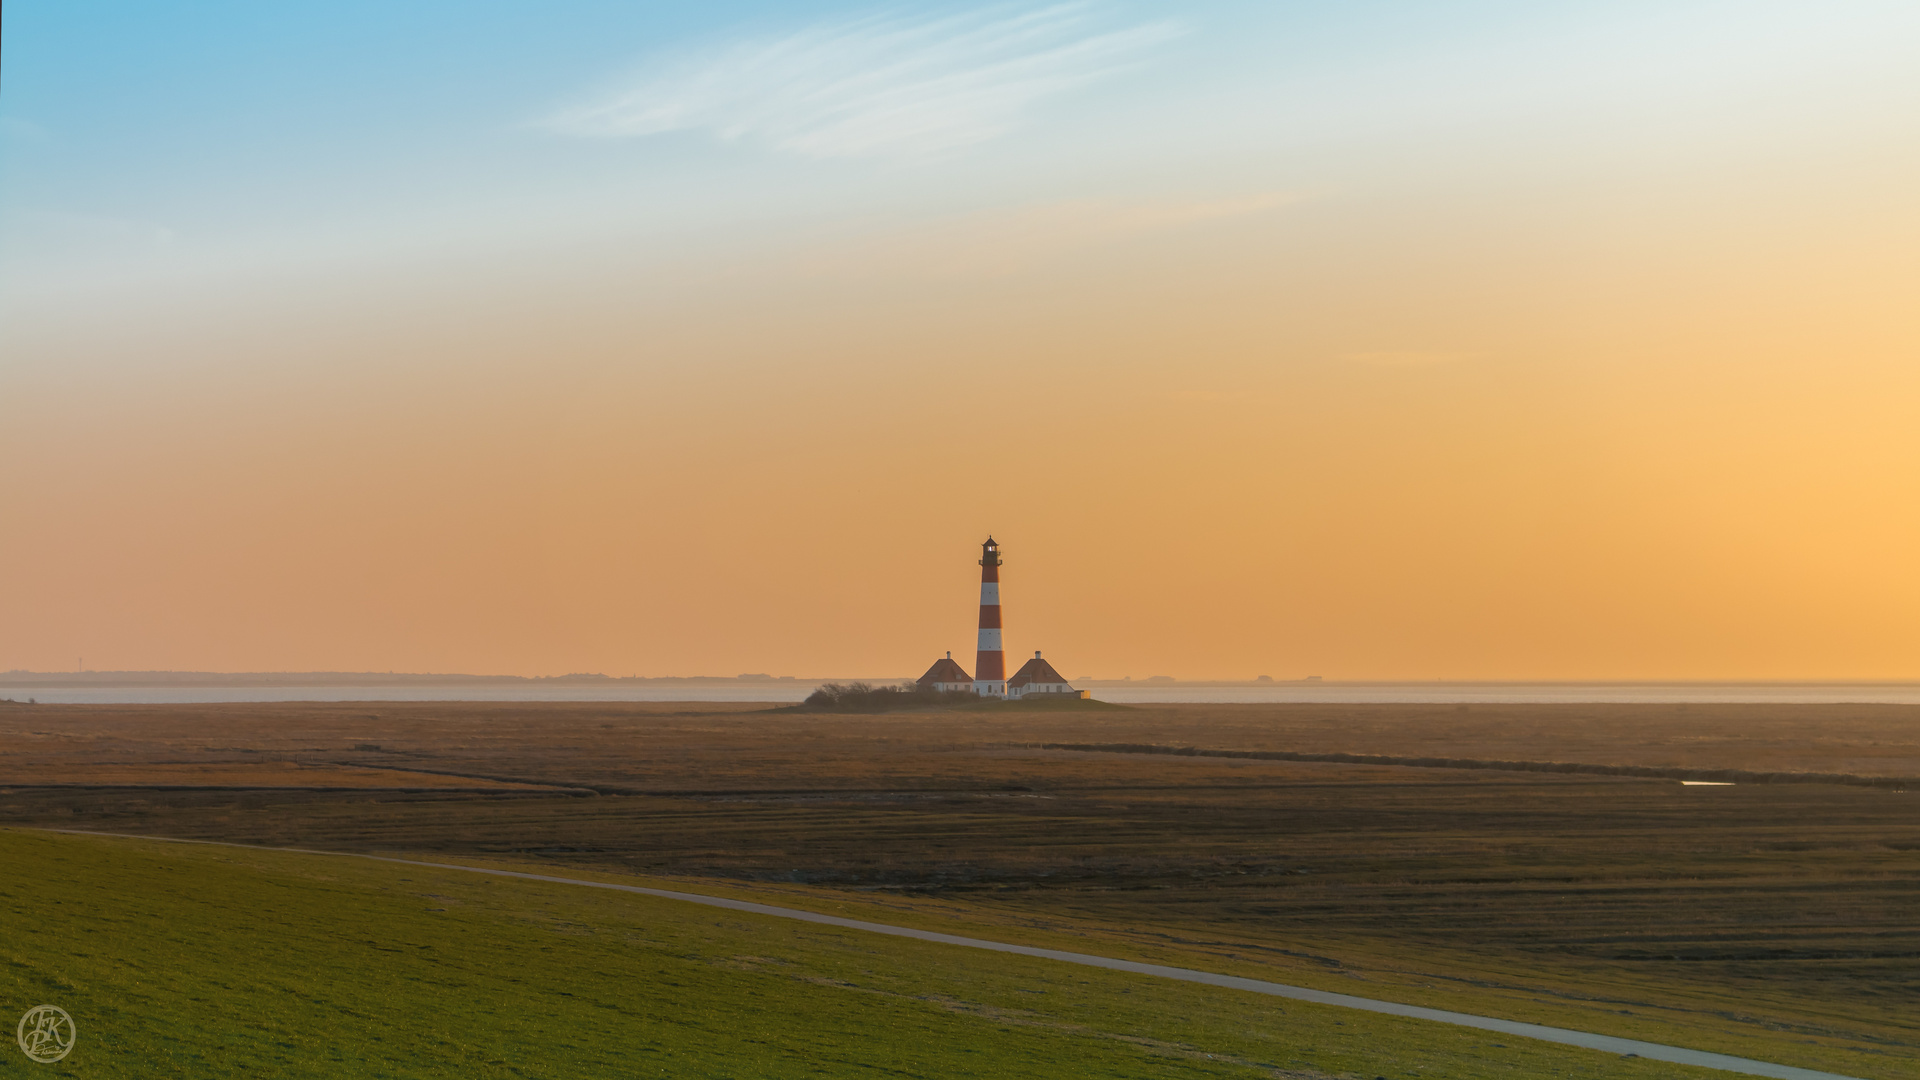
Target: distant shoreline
<point x="161" y="688"/>
<point x="246" y="679"/>
<point x="72" y="679"/>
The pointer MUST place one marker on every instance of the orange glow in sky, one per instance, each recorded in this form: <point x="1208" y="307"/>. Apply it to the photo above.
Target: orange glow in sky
<point x="1607" y="381"/>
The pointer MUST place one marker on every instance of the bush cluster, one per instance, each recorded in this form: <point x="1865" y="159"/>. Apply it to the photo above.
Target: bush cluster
<point x="866" y="697"/>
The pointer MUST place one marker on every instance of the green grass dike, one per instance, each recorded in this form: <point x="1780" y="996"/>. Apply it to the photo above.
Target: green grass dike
<point x="192" y="961"/>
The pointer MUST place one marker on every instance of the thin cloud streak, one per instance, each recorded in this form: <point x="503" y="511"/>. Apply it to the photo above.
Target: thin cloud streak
<point x="875" y="87"/>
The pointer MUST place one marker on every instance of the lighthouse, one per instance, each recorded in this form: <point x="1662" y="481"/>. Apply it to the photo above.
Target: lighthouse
<point x="990" y="669"/>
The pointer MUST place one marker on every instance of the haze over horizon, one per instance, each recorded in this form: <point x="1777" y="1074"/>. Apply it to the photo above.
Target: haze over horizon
<point x="1465" y="340"/>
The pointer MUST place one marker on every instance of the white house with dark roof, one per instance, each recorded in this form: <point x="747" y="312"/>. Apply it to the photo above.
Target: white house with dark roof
<point x="1037" y="676"/>
<point x="946" y="675"/>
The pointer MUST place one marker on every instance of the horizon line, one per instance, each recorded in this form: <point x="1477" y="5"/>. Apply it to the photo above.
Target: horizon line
<point x="758" y="677"/>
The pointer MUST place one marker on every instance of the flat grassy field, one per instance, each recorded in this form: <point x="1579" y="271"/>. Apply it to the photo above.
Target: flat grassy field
<point x="181" y="960"/>
<point x="1779" y="921"/>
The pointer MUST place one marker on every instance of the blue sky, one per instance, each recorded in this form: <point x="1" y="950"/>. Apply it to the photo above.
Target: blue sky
<point x="300" y="124"/>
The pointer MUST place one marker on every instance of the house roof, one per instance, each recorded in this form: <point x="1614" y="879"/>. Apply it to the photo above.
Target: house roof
<point x="945" y="669"/>
<point x="1036" y="670"/>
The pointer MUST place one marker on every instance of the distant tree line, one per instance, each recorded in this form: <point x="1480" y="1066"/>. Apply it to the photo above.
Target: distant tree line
<point x="866" y="697"/>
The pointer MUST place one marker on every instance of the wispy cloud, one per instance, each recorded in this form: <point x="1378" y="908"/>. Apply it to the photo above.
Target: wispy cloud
<point x="879" y="86"/>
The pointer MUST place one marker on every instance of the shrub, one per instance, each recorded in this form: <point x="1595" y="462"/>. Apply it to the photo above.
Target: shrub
<point x="866" y="697"/>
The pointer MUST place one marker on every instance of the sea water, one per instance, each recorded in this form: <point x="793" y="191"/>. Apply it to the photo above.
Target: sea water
<point x="1905" y="693"/>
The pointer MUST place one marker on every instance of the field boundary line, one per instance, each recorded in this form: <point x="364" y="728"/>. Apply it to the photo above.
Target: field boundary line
<point x="1650" y="772"/>
<point x="70" y="785"/>
<point x="1564" y="1036"/>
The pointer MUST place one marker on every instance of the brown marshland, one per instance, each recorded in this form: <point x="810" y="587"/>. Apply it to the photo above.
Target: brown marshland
<point x="1769" y="919"/>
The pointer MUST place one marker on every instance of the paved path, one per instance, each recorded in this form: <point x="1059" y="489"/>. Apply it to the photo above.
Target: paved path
<point x="1608" y="1043"/>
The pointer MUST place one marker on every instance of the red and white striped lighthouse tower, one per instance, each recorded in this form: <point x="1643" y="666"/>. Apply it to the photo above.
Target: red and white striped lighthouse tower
<point x="990" y="668"/>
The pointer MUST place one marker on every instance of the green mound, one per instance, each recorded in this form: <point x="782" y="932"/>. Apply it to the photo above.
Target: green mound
<point x="860" y="698"/>
<point x="200" y="961"/>
<point x="1054" y="702"/>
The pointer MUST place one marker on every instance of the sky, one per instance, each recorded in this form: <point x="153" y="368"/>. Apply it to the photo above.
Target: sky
<point x="1370" y="340"/>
